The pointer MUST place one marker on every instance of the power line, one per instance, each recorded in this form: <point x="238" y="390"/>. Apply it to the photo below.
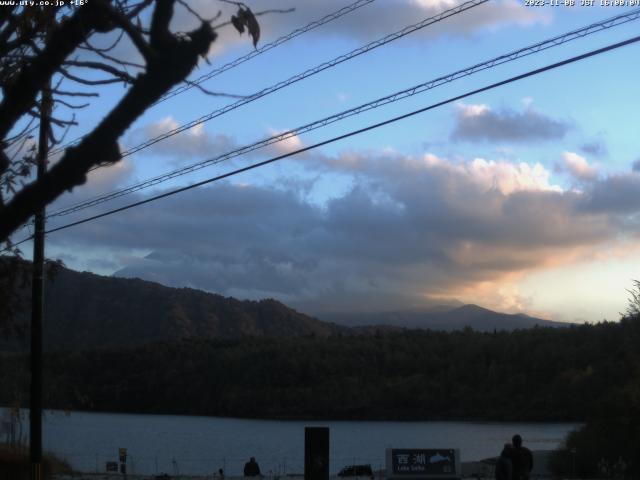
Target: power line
<point x="406" y="93"/>
<point x="310" y="72"/>
<point x="254" y="53"/>
<point x="307" y="73"/>
<point x="13" y="245"/>
<point x="355" y="132"/>
<point x="265" y="48"/>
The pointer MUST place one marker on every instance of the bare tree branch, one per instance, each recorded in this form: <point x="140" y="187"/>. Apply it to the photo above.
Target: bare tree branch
<point x="137" y="9"/>
<point x="75" y="94"/>
<point x="160" y="35"/>
<point x="111" y="58"/>
<point x="62" y="123"/>
<point x="213" y="94"/>
<point x="134" y="34"/>
<point x="45" y="50"/>
<point x="123" y="76"/>
<point x="71" y="105"/>
<point x="197" y="15"/>
<point x="105" y="49"/>
<point x="173" y="60"/>
<point x="62" y="41"/>
<point x="85" y="81"/>
<point x="22" y="132"/>
<point x="256" y="14"/>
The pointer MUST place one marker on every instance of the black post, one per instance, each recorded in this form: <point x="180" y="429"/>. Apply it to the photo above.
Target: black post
<point x="37" y="303"/>
<point x="316" y="453"/>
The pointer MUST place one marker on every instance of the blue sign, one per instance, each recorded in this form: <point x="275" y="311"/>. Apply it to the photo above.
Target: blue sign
<point x="423" y="463"/>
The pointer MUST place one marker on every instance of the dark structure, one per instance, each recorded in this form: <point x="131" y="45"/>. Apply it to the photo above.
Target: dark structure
<point x="316" y="453"/>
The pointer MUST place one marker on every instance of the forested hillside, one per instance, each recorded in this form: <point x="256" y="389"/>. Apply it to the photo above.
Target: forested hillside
<point x="84" y="310"/>
<point x="539" y="374"/>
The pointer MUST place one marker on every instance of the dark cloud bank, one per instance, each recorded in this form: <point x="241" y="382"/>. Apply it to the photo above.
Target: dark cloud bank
<point x="409" y="227"/>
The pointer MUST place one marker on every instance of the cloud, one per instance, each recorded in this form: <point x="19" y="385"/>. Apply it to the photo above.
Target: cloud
<point x="362" y="24"/>
<point x="617" y="194"/>
<point x="408" y="229"/>
<point x="195" y="143"/>
<point x="475" y="123"/>
<point x="635" y="166"/>
<point x="578" y="167"/>
<point x="111" y="176"/>
<point x="99" y="181"/>
<point x="290" y="144"/>
<point x="596" y="148"/>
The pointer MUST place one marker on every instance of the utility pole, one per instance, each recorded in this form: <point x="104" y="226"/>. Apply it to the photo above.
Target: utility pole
<point x="37" y="299"/>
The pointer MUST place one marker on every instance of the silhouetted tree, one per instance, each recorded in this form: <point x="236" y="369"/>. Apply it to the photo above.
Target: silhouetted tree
<point x="55" y="48"/>
<point x="43" y="44"/>
<point x="633" y="305"/>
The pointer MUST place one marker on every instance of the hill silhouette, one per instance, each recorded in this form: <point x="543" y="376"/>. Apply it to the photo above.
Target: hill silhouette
<point x="444" y="317"/>
<point x="85" y="310"/>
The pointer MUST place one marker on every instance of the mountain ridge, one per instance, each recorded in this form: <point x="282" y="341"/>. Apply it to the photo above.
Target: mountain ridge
<point x="86" y="310"/>
<point x="444" y="317"/>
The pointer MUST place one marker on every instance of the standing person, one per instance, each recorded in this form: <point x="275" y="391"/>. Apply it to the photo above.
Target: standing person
<point x="504" y="465"/>
<point x="522" y="459"/>
<point x="251" y="468"/>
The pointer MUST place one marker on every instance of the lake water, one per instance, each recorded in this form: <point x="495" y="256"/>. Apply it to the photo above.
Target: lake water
<point x="201" y="445"/>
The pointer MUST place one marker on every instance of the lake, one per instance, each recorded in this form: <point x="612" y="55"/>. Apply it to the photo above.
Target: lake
<point x="200" y="445"/>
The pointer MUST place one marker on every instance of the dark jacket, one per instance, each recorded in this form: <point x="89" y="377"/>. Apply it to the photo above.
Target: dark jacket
<point x="522" y="463"/>
<point x="251" y="469"/>
<point x="504" y="468"/>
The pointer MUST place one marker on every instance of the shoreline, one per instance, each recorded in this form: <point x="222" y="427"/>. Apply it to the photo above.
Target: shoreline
<point x="479" y="421"/>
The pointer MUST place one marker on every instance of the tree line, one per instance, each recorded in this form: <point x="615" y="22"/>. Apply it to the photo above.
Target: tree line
<point x="546" y="374"/>
<point x="586" y="373"/>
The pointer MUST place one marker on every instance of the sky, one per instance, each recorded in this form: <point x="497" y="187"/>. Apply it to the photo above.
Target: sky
<point x="524" y="198"/>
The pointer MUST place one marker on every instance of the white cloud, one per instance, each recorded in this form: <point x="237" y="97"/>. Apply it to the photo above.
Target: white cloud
<point x="364" y="23"/>
<point x="470" y="111"/>
<point x="111" y="176"/>
<point x="195" y="143"/>
<point x="408" y="228"/>
<point x="578" y="167"/>
<point x="476" y="123"/>
<point x="504" y="176"/>
<point x="288" y="145"/>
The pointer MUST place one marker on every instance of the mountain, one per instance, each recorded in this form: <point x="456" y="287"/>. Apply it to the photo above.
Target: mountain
<point x="84" y="310"/>
<point x="443" y="317"/>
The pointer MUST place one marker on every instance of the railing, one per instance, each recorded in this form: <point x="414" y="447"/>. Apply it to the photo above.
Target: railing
<point x="207" y="467"/>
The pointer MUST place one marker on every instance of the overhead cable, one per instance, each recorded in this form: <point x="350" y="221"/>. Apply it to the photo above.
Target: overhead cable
<point x="265" y="48"/>
<point x="306" y="74"/>
<point x="352" y="133"/>
<point x="253" y="53"/>
<point x="409" y="92"/>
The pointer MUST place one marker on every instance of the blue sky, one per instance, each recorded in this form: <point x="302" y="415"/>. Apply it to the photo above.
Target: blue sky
<point x="523" y="198"/>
